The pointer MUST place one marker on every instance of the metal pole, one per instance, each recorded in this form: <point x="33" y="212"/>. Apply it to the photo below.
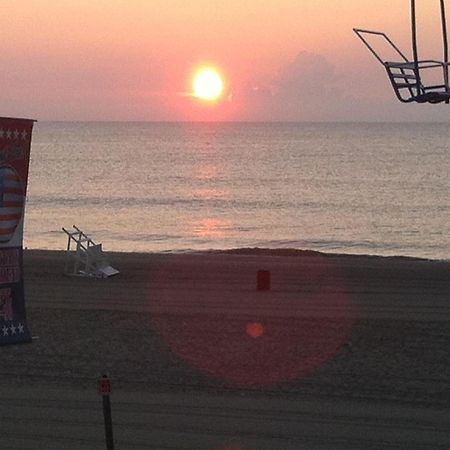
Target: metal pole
<point x="104" y="388"/>
<point x="108" y="423"/>
<point x="445" y="40"/>
<point x="414" y="42"/>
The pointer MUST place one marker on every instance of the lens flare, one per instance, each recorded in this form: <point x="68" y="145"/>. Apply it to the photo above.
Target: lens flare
<point x="255" y="329"/>
<point x="297" y="330"/>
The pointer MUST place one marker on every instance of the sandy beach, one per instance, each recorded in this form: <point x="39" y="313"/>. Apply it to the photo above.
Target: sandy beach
<point x="342" y="352"/>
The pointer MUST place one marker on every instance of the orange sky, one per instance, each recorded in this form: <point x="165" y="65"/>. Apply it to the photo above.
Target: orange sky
<point x="131" y="59"/>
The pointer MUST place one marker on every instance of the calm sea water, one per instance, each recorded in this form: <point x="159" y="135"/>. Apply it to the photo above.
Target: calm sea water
<point x="350" y="188"/>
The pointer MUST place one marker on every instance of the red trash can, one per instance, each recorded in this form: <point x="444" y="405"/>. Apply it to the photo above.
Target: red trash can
<point x="263" y="280"/>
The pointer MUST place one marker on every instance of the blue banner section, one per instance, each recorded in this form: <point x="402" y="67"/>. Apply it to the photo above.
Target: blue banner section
<point x="15" y="142"/>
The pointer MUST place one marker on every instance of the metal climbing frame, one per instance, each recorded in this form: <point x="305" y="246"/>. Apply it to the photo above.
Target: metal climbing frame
<point x="406" y="76"/>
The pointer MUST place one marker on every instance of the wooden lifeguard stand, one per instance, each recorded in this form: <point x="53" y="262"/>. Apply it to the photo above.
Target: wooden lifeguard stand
<point x="86" y="258"/>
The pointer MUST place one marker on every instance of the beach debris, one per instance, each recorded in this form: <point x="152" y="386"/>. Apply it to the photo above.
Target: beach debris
<point x="263" y="280"/>
<point x="86" y="258"/>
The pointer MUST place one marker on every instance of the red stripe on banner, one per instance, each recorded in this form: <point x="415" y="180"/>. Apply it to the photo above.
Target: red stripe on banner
<point x="5" y="217"/>
<point x="12" y="204"/>
<point x="7" y="230"/>
<point x="11" y="190"/>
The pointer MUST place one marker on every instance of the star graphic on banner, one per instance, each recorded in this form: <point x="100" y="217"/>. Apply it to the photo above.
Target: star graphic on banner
<point x="13" y="329"/>
<point x="20" y="328"/>
<point x="2" y="132"/>
<point x="5" y="330"/>
<point x="24" y="134"/>
<point x="16" y="134"/>
<point x="8" y="134"/>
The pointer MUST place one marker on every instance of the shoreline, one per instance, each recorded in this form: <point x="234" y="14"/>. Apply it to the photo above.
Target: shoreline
<point x="254" y="251"/>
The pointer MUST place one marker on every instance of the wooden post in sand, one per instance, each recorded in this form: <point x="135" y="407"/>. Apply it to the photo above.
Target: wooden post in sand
<point x="104" y="388"/>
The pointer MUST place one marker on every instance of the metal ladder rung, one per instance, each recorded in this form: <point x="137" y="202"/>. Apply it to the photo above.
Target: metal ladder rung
<point x="404" y="76"/>
<point x="400" y="65"/>
<point x="436" y="86"/>
<point x="406" y="85"/>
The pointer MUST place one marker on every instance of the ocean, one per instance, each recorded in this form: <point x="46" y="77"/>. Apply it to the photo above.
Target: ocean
<point x="378" y="189"/>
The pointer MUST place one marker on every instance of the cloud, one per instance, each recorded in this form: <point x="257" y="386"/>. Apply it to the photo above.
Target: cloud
<point x="303" y="89"/>
<point x="311" y="88"/>
<point x="307" y="76"/>
<point x="306" y="88"/>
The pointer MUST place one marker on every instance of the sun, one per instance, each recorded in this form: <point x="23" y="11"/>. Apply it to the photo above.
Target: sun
<point x="207" y="84"/>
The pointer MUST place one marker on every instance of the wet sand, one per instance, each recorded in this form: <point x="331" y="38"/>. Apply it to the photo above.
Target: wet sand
<point x="341" y="352"/>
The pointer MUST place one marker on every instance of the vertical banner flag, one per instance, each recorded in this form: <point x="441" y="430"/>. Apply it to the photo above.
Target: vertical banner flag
<point x="15" y="142"/>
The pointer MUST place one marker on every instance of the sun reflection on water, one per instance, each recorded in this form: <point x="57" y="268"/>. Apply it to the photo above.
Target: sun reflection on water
<point x="210" y="227"/>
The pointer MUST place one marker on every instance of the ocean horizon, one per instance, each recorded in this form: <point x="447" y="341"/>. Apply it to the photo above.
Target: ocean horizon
<point x="357" y="188"/>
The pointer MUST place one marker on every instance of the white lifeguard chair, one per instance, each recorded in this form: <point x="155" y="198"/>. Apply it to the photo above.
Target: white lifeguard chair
<point x="86" y="259"/>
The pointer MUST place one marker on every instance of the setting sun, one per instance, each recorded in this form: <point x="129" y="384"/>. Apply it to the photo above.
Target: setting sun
<point x="207" y="84"/>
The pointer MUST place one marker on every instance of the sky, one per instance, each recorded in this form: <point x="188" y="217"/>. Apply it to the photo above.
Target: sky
<point x="281" y="60"/>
